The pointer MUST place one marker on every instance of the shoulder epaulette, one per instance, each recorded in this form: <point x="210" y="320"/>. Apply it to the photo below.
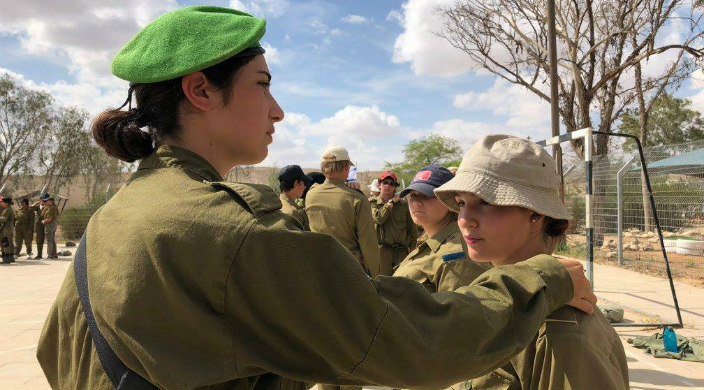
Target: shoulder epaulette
<point x="453" y="256"/>
<point x="259" y="198"/>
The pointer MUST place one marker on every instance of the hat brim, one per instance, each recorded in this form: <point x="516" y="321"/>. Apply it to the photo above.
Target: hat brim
<point x="424" y="188"/>
<point x="543" y="201"/>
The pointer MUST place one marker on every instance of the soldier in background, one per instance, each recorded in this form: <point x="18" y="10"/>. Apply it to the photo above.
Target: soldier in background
<point x="396" y="232"/>
<point x="24" y="228"/>
<point x="342" y="212"/>
<point x="292" y="183"/>
<point x="7" y="222"/>
<point x="37" y="207"/>
<point x="335" y="208"/>
<point x="50" y="213"/>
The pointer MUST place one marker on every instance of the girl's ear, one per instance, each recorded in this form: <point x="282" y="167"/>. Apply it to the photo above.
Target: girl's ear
<point x="198" y="91"/>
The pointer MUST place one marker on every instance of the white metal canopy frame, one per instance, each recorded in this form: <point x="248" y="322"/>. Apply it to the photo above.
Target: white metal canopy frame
<point x="587" y="133"/>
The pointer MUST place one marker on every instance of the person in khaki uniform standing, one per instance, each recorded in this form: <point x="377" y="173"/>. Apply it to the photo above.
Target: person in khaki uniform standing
<point x="395" y="231"/>
<point x="7" y="222"/>
<point x="342" y="212"/>
<point x="50" y="214"/>
<point x="440" y="261"/>
<point x="275" y="307"/>
<point x="37" y="208"/>
<point x="292" y="183"/>
<point x="506" y="192"/>
<point x="24" y="228"/>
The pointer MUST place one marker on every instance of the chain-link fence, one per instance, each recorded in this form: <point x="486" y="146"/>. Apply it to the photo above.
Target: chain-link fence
<point x="621" y="208"/>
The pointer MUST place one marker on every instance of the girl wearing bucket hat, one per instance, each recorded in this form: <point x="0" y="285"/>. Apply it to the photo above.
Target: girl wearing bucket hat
<point x="440" y="261"/>
<point x="506" y="194"/>
<point x="185" y="281"/>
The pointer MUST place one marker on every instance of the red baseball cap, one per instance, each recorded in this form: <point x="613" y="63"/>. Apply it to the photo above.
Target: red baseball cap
<point x="386" y="175"/>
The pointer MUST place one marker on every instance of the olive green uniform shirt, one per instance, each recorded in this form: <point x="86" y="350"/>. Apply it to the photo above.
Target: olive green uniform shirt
<point x="393" y="224"/>
<point x="295" y="210"/>
<point x="571" y="351"/>
<point x="440" y="263"/>
<point x="7" y="221"/>
<point x="229" y="293"/>
<point x="24" y="219"/>
<point x="344" y="213"/>
<point x="51" y="212"/>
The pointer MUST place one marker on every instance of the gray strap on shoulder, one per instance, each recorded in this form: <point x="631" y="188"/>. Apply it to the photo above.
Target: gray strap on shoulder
<point x="121" y="377"/>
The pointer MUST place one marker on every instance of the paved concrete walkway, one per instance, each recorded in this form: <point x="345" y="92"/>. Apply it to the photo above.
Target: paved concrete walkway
<point x="29" y="288"/>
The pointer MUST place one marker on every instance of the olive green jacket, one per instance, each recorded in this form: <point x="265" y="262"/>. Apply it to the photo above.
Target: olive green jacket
<point x="440" y="263"/>
<point x="229" y="293"/>
<point x="7" y="221"/>
<point x="293" y="209"/>
<point x="571" y="351"/>
<point x="50" y="211"/>
<point x="344" y="213"/>
<point x="24" y="219"/>
<point x="393" y="224"/>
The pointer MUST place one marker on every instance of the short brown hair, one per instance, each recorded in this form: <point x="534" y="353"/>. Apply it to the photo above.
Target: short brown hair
<point x="334" y="166"/>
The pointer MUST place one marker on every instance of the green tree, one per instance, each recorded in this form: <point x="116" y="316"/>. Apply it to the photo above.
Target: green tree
<point x="25" y="119"/>
<point x="434" y="149"/>
<point x="670" y="121"/>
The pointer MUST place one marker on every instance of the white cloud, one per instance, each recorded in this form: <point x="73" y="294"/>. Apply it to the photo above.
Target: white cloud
<point x="369" y="134"/>
<point x="467" y="133"/>
<point x="355" y="19"/>
<point x="697" y="83"/>
<point x="319" y="27"/>
<point x="272" y="54"/>
<point x="522" y="108"/>
<point x="356" y="122"/>
<point x="394" y="16"/>
<point x="261" y="8"/>
<point x="418" y="44"/>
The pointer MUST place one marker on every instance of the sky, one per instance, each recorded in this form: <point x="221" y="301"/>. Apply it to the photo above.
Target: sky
<point x="368" y="75"/>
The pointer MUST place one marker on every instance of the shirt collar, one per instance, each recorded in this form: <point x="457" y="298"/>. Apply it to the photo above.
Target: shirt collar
<point x="440" y="237"/>
<point x="169" y="156"/>
<point x="285" y="198"/>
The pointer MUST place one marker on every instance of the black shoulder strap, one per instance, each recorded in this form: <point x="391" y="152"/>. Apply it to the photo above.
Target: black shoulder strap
<point x="120" y="376"/>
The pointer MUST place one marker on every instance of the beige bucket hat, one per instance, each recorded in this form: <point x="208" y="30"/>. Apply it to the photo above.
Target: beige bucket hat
<point x="507" y="171"/>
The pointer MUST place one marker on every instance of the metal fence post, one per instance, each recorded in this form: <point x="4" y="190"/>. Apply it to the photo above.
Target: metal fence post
<point x="619" y="206"/>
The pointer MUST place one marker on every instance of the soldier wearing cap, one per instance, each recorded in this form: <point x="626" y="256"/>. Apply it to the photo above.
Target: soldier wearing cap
<point x="7" y="222"/>
<point x="49" y="215"/>
<point x="343" y="212"/>
<point x="228" y="292"/>
<point x="440" y="261"/>
<point x="24" y="228"/>
<point x="395" y="231"/>
<point x="292" y="183"/>
<point x="37" y="208"/>
<point x="506" y="193"/>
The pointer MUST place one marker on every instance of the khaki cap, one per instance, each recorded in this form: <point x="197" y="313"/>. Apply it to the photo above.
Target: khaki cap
<point x="507" y="171"/>
<point x="335" y="153"/>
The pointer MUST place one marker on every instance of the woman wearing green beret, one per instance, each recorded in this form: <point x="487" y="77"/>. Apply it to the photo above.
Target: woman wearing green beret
<point x="191" y="282"/>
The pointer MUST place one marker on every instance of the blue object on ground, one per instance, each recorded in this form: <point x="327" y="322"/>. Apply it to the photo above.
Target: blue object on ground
<point x="669" y="338"/>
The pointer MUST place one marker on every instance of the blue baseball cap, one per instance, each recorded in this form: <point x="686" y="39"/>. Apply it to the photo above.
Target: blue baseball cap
<point x="428" y="179"/>
<point x="44" y="196"/>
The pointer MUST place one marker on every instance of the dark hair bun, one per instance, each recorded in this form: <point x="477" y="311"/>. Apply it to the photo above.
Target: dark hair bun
<point x="120" y="134"/>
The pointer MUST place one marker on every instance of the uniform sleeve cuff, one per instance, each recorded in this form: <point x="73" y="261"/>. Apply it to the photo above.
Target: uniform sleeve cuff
<point x="558" y="281"/>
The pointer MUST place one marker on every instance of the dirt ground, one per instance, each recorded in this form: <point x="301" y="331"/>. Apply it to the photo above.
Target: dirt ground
<point x="685" y="268"/>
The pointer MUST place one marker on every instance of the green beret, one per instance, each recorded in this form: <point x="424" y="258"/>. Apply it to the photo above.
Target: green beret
<point x="187" y="40"/>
